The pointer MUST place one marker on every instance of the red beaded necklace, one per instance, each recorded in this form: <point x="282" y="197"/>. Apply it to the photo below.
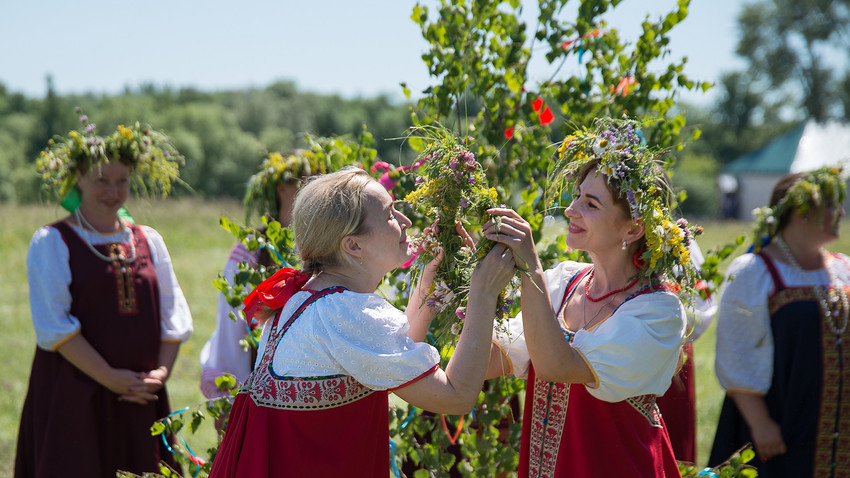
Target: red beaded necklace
<point x="587" y="288"/>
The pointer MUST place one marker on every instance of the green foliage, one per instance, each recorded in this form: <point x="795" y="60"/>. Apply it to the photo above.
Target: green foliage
<point x="479" y="54"/>
<point x="735" y="467"/>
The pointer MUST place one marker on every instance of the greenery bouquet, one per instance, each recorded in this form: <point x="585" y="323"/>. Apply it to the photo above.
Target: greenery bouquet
<point x="452" y="189"/>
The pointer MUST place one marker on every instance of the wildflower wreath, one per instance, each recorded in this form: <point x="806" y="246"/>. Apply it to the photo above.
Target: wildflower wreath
<point x="452" y="188"/>
<point x="815" y="189"/>
<point x="276" y="169"/>
<point x="635" y="170"/>
<point x="154" y="161"/>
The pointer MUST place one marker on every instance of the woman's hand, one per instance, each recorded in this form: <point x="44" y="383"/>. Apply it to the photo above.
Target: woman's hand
<point x="493" y="273"/>
<point x="145" y="391"/>
<point x="767" y="440"/>
<point x="508" y="228"/>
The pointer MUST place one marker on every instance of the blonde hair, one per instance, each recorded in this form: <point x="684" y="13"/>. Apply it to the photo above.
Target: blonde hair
<point x="327" y="208"/>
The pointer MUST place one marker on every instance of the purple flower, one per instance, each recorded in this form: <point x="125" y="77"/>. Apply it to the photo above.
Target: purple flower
<point x="83" y="118"/>
<point x="464" y="203"/>
<point x="632" y="204"/>
<point x="461" y="314"/>
<point x="471" y="180"/>
<point x="453" y="164"/>
<point x="90" y="128"/>
<point x="420" y="180"/>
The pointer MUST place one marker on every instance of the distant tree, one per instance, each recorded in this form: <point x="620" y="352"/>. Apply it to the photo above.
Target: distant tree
<point x="798" y="50"/>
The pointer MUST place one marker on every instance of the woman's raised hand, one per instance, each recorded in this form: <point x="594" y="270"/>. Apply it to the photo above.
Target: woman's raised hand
<point x="508" y="228"/>
<point x="494" y="271"/>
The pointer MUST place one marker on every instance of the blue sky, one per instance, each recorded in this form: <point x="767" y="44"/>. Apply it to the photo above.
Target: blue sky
<point x="325" y="46"/>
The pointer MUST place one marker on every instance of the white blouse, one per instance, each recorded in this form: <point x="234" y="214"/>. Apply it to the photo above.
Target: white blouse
<point x="744" y="358"/>
<point x="49" y="276"/>
<point x="631" y="353"/>
<point x="349" y="333"/>
<point x="222" y="352"/>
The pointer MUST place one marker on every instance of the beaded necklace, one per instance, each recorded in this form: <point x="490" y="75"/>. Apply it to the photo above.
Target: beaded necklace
<point x="117" y="257"/>
<point x="826" y="295"/>
<point x="609" y="294"/>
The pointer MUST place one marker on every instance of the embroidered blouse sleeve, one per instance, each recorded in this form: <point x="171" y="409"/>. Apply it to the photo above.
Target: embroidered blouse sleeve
<point x="49" y="276"/>
<point x="222" y="352"/>
<point x="635" y="351"/>
<point x="744" y="355"/>
<point x="367" y="337"/>
<point x="510" y="337"/>
<point x="176" y="318"/>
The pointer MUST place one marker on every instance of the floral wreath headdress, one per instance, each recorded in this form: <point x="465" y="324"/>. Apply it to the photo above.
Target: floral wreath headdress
<point x="634" y="169"/>
<point x="154" y="160"/>
<point x="276" y="169"/>
<point x="814" y="190"/>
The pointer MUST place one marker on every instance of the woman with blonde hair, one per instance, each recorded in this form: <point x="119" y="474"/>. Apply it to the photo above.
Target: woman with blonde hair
<point x="317" y="402"/>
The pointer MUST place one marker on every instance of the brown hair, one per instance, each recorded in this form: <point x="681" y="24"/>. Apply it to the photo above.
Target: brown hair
<point x="663" y="190"/>
<point x="780" y="190"/>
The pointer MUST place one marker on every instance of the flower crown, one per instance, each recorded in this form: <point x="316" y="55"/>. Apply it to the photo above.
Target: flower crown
<point x="635" y="170"/>
<point x="154" y="161"/>
<point x="814" y="190"/>
<point x="261" y="193"/>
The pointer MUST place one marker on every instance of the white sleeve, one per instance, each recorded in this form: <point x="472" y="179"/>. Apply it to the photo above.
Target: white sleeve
<point x="744" y="355"/>
<point x="704" y="310"/>
<point x="635" y="351"/>
<point x="367" y="337"/>
<point x="49" y="277"/>
<point x="175" y="316"/>
<point x="222" y="353"/>
<point x="510" y="337"/>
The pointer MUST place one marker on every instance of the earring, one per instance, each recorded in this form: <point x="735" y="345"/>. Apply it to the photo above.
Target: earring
<point x="361" y="261"/>
<point x="625" y="244"/>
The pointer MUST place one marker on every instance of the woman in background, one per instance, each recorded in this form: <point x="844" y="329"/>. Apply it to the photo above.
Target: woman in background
<point x="782" y="336"/>
<point x="108" y="314"/>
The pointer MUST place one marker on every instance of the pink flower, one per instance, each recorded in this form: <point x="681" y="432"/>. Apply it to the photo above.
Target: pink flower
<point x="461" y="314"/>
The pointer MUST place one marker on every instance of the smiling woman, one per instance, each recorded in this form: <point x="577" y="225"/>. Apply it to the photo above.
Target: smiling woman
<point x="599" y="342"/>
<point x="108" y="313"/>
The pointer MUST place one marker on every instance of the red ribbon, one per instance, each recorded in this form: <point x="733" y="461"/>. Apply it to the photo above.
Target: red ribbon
<point x="275" y="291"/>
<point x="452" y="439"/>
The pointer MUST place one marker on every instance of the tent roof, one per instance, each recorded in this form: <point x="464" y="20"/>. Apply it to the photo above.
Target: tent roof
<point x="808" y="146"/>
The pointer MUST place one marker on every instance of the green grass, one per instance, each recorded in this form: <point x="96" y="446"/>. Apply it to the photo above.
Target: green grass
<point x="199" y="248"/>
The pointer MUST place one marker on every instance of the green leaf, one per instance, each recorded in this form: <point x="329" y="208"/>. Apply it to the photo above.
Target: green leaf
<point x="157" y="428"/>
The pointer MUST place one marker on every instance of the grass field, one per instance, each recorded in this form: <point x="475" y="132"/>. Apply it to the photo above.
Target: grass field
<point x="199" y="247"/>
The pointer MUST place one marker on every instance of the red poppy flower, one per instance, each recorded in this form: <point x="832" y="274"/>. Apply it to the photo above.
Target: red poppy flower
<point x="546" y="116"/>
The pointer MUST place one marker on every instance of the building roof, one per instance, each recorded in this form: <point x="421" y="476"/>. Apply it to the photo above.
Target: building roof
<point x="808" y="146"/>
<point x="774" y="157"/>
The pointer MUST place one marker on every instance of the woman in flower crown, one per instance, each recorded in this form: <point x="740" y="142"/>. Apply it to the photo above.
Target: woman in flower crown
<point x="108" y="313"/>
<point x="270" y="192"/>
<point x="317" y="402"/>
<point x="782" y="339"/>
<point x="599" y="342"/>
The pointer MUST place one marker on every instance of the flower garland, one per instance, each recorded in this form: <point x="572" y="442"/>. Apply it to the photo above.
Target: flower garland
<point x="154" y="161"/>
<point x="452" y="188"/>
<point x="276" y="169"/>
<point x="635" y="170"/>
<point x="815" y="189"/>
